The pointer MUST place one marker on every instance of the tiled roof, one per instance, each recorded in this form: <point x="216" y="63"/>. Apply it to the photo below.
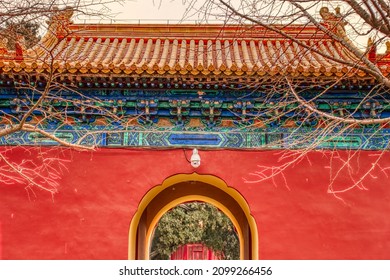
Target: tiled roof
<point x="185" y="49"/>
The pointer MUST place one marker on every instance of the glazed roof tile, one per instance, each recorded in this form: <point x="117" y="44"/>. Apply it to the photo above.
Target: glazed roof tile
<point x="184" y="49"/>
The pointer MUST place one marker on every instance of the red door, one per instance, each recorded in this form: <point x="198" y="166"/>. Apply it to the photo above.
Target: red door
<point x="193" y="252"/>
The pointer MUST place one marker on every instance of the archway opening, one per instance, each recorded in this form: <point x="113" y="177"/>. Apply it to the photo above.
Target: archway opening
<point x="183" y="188"/>
<point x="195" y="230"/>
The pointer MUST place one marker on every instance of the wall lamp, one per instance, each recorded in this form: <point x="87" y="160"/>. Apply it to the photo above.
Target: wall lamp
<point x="195" y="158"/>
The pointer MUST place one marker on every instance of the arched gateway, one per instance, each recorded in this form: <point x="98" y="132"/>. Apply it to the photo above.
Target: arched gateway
<point x="191" y="187"/>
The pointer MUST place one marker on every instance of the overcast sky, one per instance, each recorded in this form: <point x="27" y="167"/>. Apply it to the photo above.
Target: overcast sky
<point x="147" y="10"/>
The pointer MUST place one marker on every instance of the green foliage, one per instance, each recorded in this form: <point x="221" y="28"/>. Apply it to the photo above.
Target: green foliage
<point x="28" y="29"/>
<point x="195" y="222"/>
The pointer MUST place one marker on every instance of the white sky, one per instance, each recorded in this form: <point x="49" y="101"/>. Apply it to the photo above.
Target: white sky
<point x="158" y="11"/>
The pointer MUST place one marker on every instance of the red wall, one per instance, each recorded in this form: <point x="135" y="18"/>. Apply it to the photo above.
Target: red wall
<point x="1" y="242"/>
<point x="296" y="217"/>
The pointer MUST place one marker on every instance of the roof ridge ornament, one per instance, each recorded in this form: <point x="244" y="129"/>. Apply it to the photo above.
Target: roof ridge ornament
<point x="3" y="46"/>
<point x="371" y="49"/>
<point x="20" y="47"/>
<point x="335" y="20"/>
<point x="60" y="21"/>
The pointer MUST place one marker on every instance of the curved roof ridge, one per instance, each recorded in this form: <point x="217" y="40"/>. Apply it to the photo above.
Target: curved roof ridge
<point x="188" y="49"/>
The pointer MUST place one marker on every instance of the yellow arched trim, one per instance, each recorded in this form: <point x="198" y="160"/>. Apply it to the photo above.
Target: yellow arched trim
<point x="187" y="198"/>
<point x="208" y="179"/>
